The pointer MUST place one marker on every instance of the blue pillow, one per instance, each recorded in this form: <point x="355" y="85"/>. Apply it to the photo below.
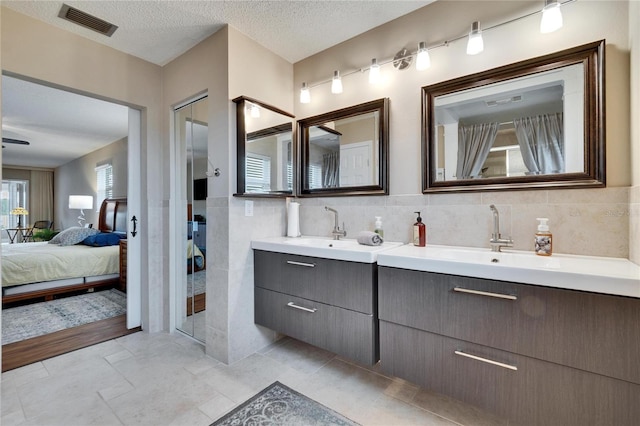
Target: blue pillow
<point x="102" y="239"/>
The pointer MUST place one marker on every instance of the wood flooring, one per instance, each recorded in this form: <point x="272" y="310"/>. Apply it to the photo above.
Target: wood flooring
<point x="39" y="348"/>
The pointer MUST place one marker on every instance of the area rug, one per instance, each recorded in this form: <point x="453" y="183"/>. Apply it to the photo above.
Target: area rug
<point x="279" y="405"/>
<point x="24" y="322"/>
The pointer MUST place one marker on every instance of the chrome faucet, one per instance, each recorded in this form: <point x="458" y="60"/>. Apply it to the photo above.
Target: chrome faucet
<point x="496" y="241"/>
<point x="337" y="232"/>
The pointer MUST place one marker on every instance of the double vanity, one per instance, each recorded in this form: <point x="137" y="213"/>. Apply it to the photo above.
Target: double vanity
<point x="536" y="340"/>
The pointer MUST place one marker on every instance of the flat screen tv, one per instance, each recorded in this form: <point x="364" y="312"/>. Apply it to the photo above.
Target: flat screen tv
<point x="200" y="189"/>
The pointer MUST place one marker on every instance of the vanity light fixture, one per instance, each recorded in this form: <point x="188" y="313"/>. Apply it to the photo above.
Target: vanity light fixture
<point x="336" y="83"/>
<point x="305" y="94"/>
<point x="551" y="17"/>
<point x="374" y="72"/>
<point x="423" y="61"/>
<point x="475" y="44"/>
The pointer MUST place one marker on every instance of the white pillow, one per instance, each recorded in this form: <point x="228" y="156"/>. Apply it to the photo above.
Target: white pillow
<point x="73" y="235"/>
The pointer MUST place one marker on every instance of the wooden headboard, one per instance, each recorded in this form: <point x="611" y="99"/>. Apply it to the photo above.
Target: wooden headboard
<point x="113" y="216"/>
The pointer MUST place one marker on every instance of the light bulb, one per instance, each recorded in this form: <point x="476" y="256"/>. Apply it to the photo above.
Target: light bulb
<point x="422" y="59"/>
<point x="336" y="83"/>
<point x="551" y="17"/>
<point x="475" y="44"/>
<point x="374" y="72"/>
<point x="305" y="94"/>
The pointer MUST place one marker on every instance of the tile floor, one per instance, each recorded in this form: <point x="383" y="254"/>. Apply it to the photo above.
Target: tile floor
<point x="166" y="379"/>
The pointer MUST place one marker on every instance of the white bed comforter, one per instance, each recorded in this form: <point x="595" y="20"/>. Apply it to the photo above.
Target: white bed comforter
<point x="36" y="262"/>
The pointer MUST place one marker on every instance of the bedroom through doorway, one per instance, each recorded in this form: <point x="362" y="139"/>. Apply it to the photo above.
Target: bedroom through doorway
<point x="73" y="140"/>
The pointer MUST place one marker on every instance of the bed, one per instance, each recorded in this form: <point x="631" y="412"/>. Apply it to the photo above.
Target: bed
<point x="43" y="270"/>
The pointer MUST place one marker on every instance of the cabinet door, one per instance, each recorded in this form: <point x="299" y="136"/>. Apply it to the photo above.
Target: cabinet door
<point x="524" y="390"/>
<point x="594" y="332"/>
<point x="349" y="285"/>
<point x="346" y="333"/>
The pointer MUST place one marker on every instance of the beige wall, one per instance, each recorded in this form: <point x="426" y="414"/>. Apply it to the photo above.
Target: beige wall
<point x="593" y="222"/>
<point x="39" y="52"/>
<point x="78" y="177"/>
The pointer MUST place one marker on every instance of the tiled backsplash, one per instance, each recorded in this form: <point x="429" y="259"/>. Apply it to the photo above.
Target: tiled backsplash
<point x="583" y="221"/>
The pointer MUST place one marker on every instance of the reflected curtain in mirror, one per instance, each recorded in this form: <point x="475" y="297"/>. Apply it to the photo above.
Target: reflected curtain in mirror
<point x="535" y="123"/>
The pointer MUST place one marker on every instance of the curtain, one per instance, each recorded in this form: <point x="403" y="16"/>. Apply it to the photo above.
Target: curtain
<point x="541" y="143"/>
<point x="331" y="170"/>
<point x="40" y="196"/>
<point x="474" y="143"/>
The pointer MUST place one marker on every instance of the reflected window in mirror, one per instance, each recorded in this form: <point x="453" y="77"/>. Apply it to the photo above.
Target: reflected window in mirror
<point x="265" y="148"/>
<point x="344" y="152"/>
<point x="537" y="123"/>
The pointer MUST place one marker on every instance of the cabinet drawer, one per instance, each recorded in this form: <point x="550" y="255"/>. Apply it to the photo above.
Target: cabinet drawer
<point x="346" y="333"/>
<point x="534" y="393"/>
<point x="594" y="332"/>
<point x="349" y="285"/>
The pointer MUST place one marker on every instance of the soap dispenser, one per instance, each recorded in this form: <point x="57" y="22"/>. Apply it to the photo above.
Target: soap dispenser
<point x="543" y="240"/>
<point x="378" y="227"/>
<point x="419" y="232"/>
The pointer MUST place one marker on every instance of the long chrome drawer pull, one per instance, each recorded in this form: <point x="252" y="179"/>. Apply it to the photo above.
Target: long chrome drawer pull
<point x="488" y="361"/>
<point x="485" y="293"/>
<point x="302" y="308"/>
<point x="308" y="265"/>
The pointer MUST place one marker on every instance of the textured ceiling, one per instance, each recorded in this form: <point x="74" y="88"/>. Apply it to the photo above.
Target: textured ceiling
<point x="159" y="31"/>
<point x="62" y="126"/>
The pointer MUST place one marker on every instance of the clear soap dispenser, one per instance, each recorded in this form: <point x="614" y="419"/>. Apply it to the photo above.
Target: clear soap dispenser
<point x="543" y="240"/>
<point x="378" y="229"/>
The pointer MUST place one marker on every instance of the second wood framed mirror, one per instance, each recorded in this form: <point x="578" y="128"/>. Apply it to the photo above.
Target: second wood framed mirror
<point x="345" y="152"/>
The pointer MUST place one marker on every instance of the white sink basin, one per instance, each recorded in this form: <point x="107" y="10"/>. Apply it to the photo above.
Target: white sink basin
<point x="587" y="273"/>
<point x="345" y="249"/>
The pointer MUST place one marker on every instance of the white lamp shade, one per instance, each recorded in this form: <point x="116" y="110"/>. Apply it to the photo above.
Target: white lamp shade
<point x="423" y="61"/>
<point x="80" y="201"/>
<point x="475" y="44"/>
<point x="305" y="94"/>
<point x="551" y="17"/>
<point x="336" y="83"/>
<point x="374" y="72"/>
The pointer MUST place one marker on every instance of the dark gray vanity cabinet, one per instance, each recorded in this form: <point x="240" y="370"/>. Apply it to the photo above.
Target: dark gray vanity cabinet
<point x="535" y="355"/>
<point x="327" y="303"/>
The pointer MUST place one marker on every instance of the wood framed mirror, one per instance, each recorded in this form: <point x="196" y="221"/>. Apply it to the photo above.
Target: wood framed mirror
<point x="265" y="149"/>
<point x="538" y="123"/>
<point x="345" y="152"/>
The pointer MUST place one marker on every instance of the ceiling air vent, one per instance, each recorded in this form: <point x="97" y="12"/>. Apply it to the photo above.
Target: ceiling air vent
<point x="88" y="21"/>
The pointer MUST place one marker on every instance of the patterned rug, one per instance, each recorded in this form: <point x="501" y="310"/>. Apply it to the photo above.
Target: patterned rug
<point x="24" y="322"/>
<point x="280" y="405"/>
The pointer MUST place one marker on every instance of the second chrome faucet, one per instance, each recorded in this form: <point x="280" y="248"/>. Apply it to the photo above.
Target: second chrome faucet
<point x="496" y="241"/>
<point x="337" y="232"/>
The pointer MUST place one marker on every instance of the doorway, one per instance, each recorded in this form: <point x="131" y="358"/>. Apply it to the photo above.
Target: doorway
<point x="191" y="136"/>
<point x="38" y="106"/>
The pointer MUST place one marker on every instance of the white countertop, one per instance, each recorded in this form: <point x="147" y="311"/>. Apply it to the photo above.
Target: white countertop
<point x="587" y="273"/>
<point x="343" y="249"/>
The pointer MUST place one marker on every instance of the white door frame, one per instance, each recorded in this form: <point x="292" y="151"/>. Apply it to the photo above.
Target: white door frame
<point x="134" y="239"/>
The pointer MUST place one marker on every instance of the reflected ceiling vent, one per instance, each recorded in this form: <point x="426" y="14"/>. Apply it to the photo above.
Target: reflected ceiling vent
<point x="497" y="102"/>
<point x="88" y="21"/>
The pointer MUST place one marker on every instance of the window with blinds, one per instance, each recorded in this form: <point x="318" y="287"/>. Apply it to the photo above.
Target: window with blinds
<point x="104" y="183"/>
<point x="258" y="173"/>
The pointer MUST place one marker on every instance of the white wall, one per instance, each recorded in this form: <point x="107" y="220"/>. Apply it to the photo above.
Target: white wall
<point x="588" y="221"/>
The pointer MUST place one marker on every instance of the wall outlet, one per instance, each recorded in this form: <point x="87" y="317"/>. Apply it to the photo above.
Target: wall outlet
<point x="248" y="208"/>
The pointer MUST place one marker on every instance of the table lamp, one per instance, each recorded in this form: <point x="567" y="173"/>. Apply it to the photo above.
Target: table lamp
<point x="80" y="202"/>
<point x="19" y="211"/>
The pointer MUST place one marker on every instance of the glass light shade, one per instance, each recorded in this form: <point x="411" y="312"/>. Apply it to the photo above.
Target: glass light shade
<point x="423" y="61"/>
<point x="19" y="211"/>
<point x="475" y="44"/>
<point x="305" y="94"/>
<point x="80" y="201"/>
<point x="374" y="72"/>
<point x="551" y="17"/>
<point x="336" y="83"/>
